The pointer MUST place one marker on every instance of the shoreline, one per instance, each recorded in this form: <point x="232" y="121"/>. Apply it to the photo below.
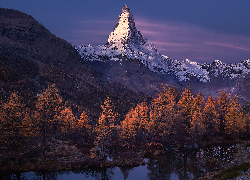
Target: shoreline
<point x="241" y="156"/>
<point x="79" y="161"/>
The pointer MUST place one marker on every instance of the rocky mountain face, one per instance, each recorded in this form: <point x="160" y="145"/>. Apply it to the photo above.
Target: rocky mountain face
<point x="31" y="57"/>
<point x="132" y="60"/>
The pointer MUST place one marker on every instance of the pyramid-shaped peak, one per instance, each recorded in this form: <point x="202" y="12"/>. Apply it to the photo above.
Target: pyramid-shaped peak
<point x="125" y="8"/>
<point x="125" y="31"/>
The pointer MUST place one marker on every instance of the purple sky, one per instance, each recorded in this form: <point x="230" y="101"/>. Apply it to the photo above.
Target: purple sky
<point x="202" y="31"/>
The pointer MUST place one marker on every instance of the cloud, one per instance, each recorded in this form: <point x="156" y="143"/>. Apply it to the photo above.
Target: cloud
<point x="177" y="40"/>
<point x="180" y="41"/>
<point x="227" y="45"/>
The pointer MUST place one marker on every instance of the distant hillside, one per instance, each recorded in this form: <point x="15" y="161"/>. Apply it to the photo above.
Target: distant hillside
<point x="31" y="57"/>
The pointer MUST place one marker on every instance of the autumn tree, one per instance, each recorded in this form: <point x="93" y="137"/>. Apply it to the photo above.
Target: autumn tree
<point x="13" y="130"/>
<point x="234" y="120"/>
<point x="66" y="119"/>
<point x="48" y="108"/>
<point x="134" y="127"/>
<point x="28" y="127"/>
<point x="105" y="129"/>
<point x="197" y="124"/>
<point x="223" y="102"/>
<point x="83" y="126"/>
<point x="163" y="113"/>
<point x="185" y="111"/>
<point x="210" y="116"/>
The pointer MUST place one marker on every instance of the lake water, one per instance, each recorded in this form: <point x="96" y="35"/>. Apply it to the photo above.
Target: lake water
<point x="177" y="163"/>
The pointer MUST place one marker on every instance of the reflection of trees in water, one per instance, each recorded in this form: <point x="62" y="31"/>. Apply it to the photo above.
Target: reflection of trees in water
<point x="46" y="175"/>
<point x="188" y="163"/>
<point x="97" y="173"/>
<point x="52" y="175"/>
<point x="159" y="168"/>
<point x="17" y="176"/>
<point x="184" y="163"/>
<point x="179" y="162"/>
<point x="125" y="171"/>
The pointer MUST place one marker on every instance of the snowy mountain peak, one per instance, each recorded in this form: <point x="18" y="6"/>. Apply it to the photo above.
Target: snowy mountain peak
<point x="125" y="31"/>
<point x="126" y="42"/>
<point x="125" y="8"/>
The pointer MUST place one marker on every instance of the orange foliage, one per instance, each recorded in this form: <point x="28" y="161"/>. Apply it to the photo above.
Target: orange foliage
<point x="136" y="122"/>
<point x="83" y="123"/>
<point x="234" y="121"/>
<point x="66" y="119"/>
<point x="210" y="116"/>
<point x="197" y="123"/>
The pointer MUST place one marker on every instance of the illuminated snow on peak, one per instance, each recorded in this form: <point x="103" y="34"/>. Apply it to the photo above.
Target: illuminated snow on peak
<point x="126" y="42"/>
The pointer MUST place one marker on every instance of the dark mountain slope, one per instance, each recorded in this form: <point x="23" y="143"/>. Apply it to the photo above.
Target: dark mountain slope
<point x="134" y="75"/>
<point x="31" y="57"/>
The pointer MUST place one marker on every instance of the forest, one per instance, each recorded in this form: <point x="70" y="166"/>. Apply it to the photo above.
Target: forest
<point x="27" y="127"/>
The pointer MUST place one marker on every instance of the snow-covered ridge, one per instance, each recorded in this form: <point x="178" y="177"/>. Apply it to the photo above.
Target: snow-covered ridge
<point x="126" y="42"/>
<point x="233" y="70"/>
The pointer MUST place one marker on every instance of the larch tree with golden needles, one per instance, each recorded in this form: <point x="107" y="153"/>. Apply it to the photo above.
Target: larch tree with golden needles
<point x="66" y="119"/>
<point x="234" y="121"/>
<point x="28" y="127"/>
<point x="185" y="111"/>
<point x="83" y="126"/>
<point x="163" y="113"/>
<point x="48" y="108"/>
<point x="223" y="102"/>
<point x="197" y="124"/>
<point x="105" y="129"/>
<point x="134" y="127"/>
<point x="210" y="116"/>
<point x="13" y="129"/>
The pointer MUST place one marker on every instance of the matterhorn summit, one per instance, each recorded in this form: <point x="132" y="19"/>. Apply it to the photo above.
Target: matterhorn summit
<point x="126" y="43"/>
<point x="125" y="32"/>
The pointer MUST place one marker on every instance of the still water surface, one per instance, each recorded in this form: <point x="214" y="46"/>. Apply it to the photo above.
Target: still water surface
<point x="177" y="163"/>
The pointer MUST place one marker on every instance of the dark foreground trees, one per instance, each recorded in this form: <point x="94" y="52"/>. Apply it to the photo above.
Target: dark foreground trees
<point x="105" y="130"/>
<point x="166" y="119"/>
<point x="15" y="126"/>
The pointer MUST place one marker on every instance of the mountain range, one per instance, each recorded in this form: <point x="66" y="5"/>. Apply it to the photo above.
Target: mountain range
<point x="128" y="67"/>
<point x="132" y="60"/>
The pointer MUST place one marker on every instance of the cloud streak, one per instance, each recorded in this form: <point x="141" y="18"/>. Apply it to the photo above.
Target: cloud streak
<point x="176" y="40"/>
<point x="186" y="41"/>
<point x="227" y="45"/>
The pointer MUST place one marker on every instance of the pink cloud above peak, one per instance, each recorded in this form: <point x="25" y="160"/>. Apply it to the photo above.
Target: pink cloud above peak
<point x="177" y="40"/>
<point x="182" y="41"/>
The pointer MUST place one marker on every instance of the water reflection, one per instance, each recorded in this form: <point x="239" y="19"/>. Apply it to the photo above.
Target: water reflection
<point x="181" y="163"/>
<point x="177" y="163"/>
